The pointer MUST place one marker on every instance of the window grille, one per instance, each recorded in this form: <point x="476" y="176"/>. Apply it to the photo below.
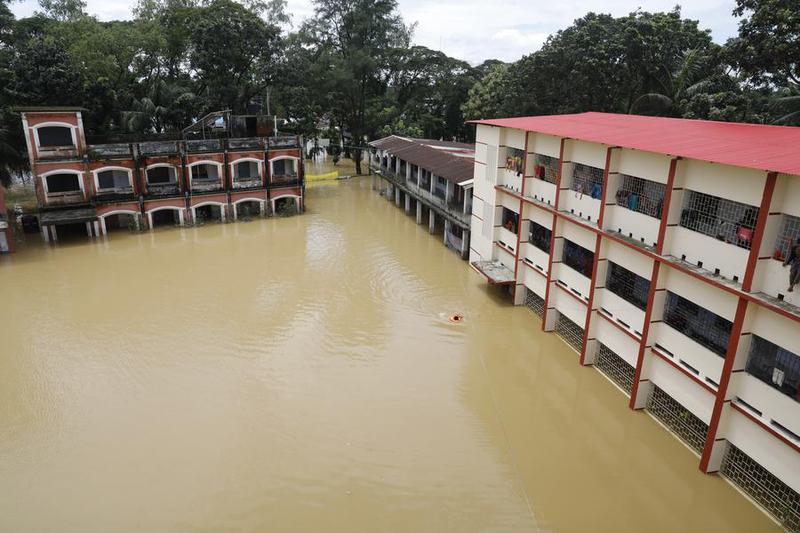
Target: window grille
<point x="615" y="367"/>
<point x="539" y="236"/>
<point x="112" y="179"/>
<point x="161" y="175"/>
<point x="54" y="136"/>
<point x="571" y="332"/>
<point x="640" y="195"/>
<point x="777" y="367"/>
<point x="546" y="168"/>
<point x="588" y="180"/>
<point x="764" y="487"/>
<point x="676" y="417"/>
<point x="705" y="327"/>
<point x="510" y="220"/>
<point x="534" y="302"/>
<point x="627" y="285"/>
<point x="62" y="183"/>
<point x="515" y="161"/>
<point x="578" y="258"/>
<point x="788" y="235"/>
<point x="726" y="220"/>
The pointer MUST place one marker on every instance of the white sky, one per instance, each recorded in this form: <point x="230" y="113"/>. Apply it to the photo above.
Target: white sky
<point x="476" y="30"/>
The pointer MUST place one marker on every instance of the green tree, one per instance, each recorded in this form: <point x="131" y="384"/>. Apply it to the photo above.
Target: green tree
<point x="353" y="43"/>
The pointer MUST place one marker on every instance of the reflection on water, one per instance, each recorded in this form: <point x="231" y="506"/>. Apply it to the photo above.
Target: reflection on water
<point x="302" y="374"/>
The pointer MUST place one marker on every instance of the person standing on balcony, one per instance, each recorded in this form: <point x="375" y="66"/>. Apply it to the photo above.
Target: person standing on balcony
<point x="793" y="261"/>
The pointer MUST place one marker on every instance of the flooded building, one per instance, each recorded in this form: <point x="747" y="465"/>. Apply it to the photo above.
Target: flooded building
<point x="656" y="247"/>
<point x="432" y="179"/>
<point x="223" y="167"/>
<point x="6" y="225"/>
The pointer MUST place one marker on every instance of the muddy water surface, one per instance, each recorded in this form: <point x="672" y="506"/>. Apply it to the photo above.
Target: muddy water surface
<point x="302" y="375"/>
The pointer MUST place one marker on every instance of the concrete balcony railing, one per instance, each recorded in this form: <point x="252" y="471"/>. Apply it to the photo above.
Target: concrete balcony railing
<point x="285" y="141"/>
<point x="199" y="185"/>
<point x="246" y="183"/>
<point x="65" y="198"/>
<point x="246" y="143"/>
<point x="204" y="145"/>
<point x="117" y="194"/>
<point x="286" y="180"/>
<point x="58" y="152"/>
<point x="163" y="189"/>
<point x="158" y="148"/>
<point x="110" y="151"/>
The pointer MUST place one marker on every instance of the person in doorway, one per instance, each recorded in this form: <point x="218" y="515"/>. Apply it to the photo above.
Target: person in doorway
<point x="793" y="261"/>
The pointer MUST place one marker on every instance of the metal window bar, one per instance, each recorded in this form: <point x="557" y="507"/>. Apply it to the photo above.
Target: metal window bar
<point x="546" y="168"/>
<point x="627" y="285"/>
<point x="697" y="323"/>
<point x="780" y="500"/>
<point x="578" y="258"/>
<point x="615" y="367"/>
<point x="515" y="160"/>
<point x="571" y="332"/>
<point x="725" y="220"/>
<point x="641" y="195"/>
<point x="539" y="236"/>
<point x="534" y="302"/>
<point x="587" y="180"/>
<point x="676" y="417"/>
<point x="777" y="367"/>
<point x="788" y="235"/>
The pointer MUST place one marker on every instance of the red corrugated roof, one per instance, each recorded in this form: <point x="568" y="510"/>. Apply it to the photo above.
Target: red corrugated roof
<point x="771" y="148"/>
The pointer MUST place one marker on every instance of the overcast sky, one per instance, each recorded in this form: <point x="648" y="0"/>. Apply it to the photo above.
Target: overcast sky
<point x="476" y="30"/>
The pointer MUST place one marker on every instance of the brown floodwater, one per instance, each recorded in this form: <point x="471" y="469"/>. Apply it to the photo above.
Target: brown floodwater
<point x="303" y="374"/>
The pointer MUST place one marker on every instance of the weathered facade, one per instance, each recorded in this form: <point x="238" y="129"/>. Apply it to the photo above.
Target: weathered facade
<point x="656" y="248"/>
<point x="431" y="178"/>
<point x="147" y="183"/>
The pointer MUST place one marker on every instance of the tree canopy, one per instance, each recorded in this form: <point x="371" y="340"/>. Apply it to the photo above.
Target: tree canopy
<point x="352" y="70"/>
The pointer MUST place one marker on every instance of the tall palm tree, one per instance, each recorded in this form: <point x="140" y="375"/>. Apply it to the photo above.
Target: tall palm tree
<point x="678" y="84"/>
<point x="165" y="106"/>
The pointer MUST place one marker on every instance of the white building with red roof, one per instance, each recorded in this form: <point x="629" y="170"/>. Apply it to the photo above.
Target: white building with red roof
<point x="656" y="247"/>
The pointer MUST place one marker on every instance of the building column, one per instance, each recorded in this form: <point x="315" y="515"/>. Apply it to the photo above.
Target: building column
<point x="735" y="360"/>
<point x="149" y="220"/>
<point x="89" y="229"/>
<point x="397" y="197"/>
<point x="180" y="216"/>
<point x="408" y="204"/>
<point x="222" y="213"/>
<point x="45" y="233"/>
<point x="446" y="231"/>
<point x="103" y="229"/>
<point x="465" y="244"/>
<point x="431" y="222"/>
<point x="419" y="212"/>
<point x="262" y="207"/>
<point x="97" y="228"/>
<point x="235" y="212"/>
<point x="653" y="313"/>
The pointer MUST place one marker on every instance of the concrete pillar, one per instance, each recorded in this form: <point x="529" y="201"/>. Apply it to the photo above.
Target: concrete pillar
<point x="103" y="229"/>
<point x="419" y="212"/>
<point x="408" y="204"/>
<point x="53" y="233"/>
<point x="222" y="213"/>
<point x="262" y="208"/>
<point x="150" y="220"/>
<point x="235" y="211"/>
<point x="431" y="222"/>
<point x="446" y="231"/>
<point x="97" y="228"/>
<point x="465" y="244"/>
<point x="397" y="197"/>
<point x="137" y="221"/>
<point x="45" y="233"/>
<point x="89" y="229"/>
<point x="180" y="217"/>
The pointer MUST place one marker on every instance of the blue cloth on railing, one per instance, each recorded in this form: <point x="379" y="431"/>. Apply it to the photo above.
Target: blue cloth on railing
<point x="597" y="191"/>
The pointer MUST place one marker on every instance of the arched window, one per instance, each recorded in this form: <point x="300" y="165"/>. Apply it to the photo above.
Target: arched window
<point x="54" y="136"/>
<point x="246" y="170"/>
<point x="113" y="179"/>
<point x="161" y="175"/>
<point x="62" y="183"/>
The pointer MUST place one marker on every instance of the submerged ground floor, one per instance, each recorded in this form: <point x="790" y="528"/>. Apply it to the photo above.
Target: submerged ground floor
<point x="314" y="384"/>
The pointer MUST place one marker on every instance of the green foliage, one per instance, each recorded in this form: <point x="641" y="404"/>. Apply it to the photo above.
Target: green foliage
<point x="351" y="72"/>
